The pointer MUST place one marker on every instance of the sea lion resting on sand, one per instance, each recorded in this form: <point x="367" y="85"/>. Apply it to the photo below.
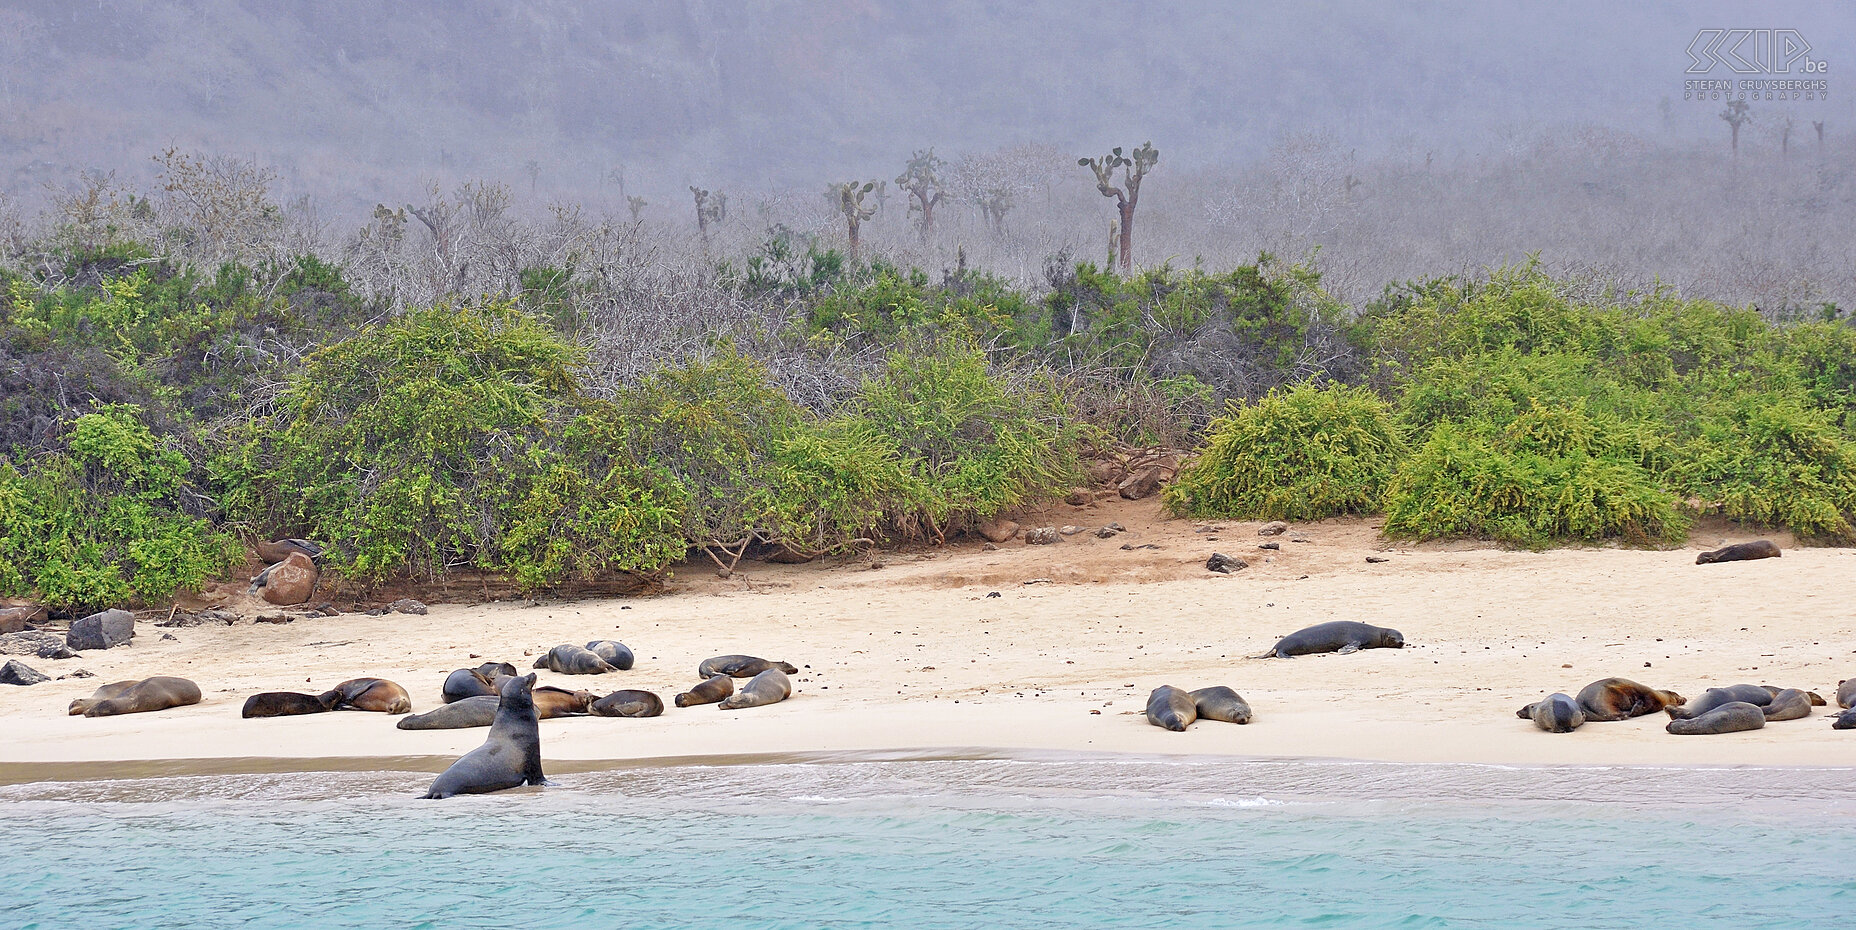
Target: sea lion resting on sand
<point x="283" y="704"/>
<point x="1621" y="699"/>
<point x="1757" y="695"/>
<point x="768" y="687"/>
<point x="1740" y="552"/>
<point x="1790" y="704"/>
<point x="1844" y="721"/>
<point x="1731" y="717"/>
<point x="1341" y="636"/>
<point x="1846" y="692"/>
<point x="1221" y="704"/>
<point x="510" y="755"/>
<point x="617" y="654"/>
<point x="569" y="659"/>
<point x="475" y="682"/>
<point x="629" y="703"/>
<point x="740" y="667"/>
<point x="135" y="697"/>
<point x="1555" y="713"/>
<point x="1175" y="709"/>
<point x="370" y="694"/>
<point x="709" y="692"/>
<point x="480" y="711"/>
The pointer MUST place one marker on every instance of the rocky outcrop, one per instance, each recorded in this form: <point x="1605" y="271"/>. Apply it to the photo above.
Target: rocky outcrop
<point x="105" y="630"/>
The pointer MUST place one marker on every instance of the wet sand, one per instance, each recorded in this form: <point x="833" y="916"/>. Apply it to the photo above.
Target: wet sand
<point x="915" y="657"/>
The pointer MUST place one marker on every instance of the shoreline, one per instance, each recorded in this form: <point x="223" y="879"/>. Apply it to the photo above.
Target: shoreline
<point x="919" y="658"/>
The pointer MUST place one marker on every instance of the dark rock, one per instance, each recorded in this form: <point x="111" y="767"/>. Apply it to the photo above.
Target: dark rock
<point x="407" y="605"/>
<point x="1269" y="545"/>
<point x="170" y="637"/>
<point x="378" y="611"/>
<point x="1142" y="483"/>
<point x="1219" y="562"/>
<point x="1042" y="536"/>
<point x="1079" y="497"/>
<point x="1070" y="530"/>
<point x="105" y="630"/>
<point x="998" y="531"/>
<point x="1273" y="528"/>
<point x="1107" y="532"/>
<point x="15" y="672"/>
<point x="273" y="618"/>
<point x="1377" y="558"/>
<point x="327" y="609"/>
<point x="1116" y="527"/>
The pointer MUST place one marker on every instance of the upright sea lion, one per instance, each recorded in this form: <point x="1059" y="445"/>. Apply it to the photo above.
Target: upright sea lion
<point x="569" y="659"/>
<point x="135" y="697"/>
<point x="768" y="687"/>
<point x="1732" y="717"/>
<point x="1171" y="708"/>
<point x="740" y="667"/>
<point x="283" y="704"/>
<point x="1846" y="692"/>
<point x="1790" y="704"/>
<point x="1715" y="697"/>
<point x="1621" y="699"/>
<point x="627" y="704"/>
<point x="480" y="711"/>
<point x="509" y="756"/>
<point x="1555" y="713"/>
<point x="617" y="654"/>
<point x="373" y="694"/>
<point x="710" y="691"/>
<point x="1220" y="703"/>
<point x="1740" y="552"/>
<point x="1342" y="636"/>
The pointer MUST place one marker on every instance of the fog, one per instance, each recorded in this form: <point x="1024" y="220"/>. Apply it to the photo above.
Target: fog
<point x="1389" y="142"/>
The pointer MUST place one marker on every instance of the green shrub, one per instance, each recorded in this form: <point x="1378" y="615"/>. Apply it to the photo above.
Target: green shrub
<point x="105" y="522"/>
<point x="1771" y="460"/>
<point x="1296" y="454"/>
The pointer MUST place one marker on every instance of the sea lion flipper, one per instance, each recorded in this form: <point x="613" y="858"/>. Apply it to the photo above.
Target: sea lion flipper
<point x="1349" y="648"/>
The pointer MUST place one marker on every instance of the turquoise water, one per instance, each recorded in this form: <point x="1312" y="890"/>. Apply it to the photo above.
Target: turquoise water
<point x="945" y="844"/>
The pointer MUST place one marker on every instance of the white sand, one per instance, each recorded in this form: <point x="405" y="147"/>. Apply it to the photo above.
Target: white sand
<point x="915" y="657"/>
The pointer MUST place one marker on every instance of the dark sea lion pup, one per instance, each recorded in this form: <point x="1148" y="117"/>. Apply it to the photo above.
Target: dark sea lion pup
<point x="627" y="704"/>
<point x="1172" y="709"/>
<point x="283" y="704"/>
<point x="1342" y="636"/>
<point x="1732" y="717"/>
<point x="569" y="659"/>
<point x="510" y="755"/>
<point x="715" y="689"/>
<point x="768" y="687"/>
<point x="1221" y="704"/>
<point x="135" y="697"/>
<point x="740" y="667"/>
<point x="1556" y="713"/>
<point x="617" y="654"/>
<point x="1740" y="552"/>
<point x="1622" y="699"/>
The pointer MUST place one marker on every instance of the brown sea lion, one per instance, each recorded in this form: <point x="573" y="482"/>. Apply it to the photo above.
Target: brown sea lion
<point x="480" y="711"/>
<point x="371" y="694"/>
<point x="768" y="687"/>
<point x="1715" y="697"/>
<point x="1339" y="636"/>
<point x="283" y="704"/>
<point x="569" y="659"/>
<point x="1221" y="704"/>
<point x="135" y="697"/>
<point x="737" y="666"/>
<point x="627" y="704"/>
<point x="1817" y="700"/>
<point x="1740" y="552"/>
<point x="1790" y="704"/>
<point x="1171" y="708"/>
<point x="1555" y="713"/>
<point x="709" y="692"/>
<point x="1622" y="699"/>
<point x="279" y="550"/>
<point x="1732" y="717"/>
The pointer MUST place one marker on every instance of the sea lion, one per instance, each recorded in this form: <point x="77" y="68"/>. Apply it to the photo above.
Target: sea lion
<point x="768" y="687"/>
<point x="1845" y="720"/>
<point x="509" y="756"/>
<point x="1555" y="713"/>
<point x="1221" y="704"/>
<point x="1790" y="704"/>
<point x="627" y="704"/>
<point x="283" y="704"/>
<point x="372" y="694"/>
<point x="740" y="667"/>
<point x="1342" y="636"/>
<point x="569" y="659"/>
<point x="279" y="550"/>
<point x="1817" y="700"/>
<point x="617" y="654"/>
<point x="1622" y="699"/>
<point x="1846" y="692"/>
<point x="1731" y="717"/>
<point x="1740" y="552"/>
<point x="1715" y="697"/>
<point x="467" y="683"/>
<point x="710" y="691"/>
<point x="135" y="697"/>
<point x="1170" y="708"/>
<point x="480" y="711"/>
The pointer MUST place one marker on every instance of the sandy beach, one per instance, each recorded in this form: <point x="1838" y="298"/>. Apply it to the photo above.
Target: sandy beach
<point x="917" y="657"/>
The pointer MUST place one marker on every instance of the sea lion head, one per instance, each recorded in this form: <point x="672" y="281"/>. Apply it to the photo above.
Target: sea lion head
<point x="786" y="667"/>
<point x="1668" y="698"/>
<point x="517" y="692"/>
<point x="1392" y="639"/>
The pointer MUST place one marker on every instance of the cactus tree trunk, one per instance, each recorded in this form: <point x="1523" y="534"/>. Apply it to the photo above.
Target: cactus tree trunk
<point x="1127" y="236"/>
